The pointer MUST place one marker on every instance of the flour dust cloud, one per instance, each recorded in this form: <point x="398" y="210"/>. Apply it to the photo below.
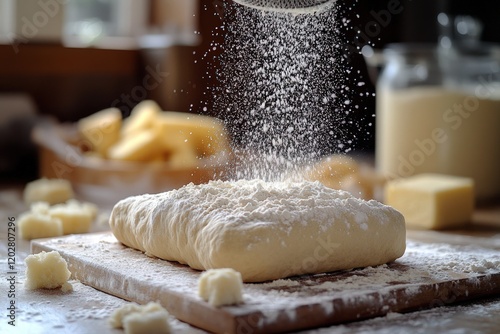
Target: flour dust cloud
<point x="283" y="89"/>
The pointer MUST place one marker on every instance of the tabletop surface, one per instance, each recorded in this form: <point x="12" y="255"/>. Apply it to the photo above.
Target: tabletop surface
<point x="86" y="310"/>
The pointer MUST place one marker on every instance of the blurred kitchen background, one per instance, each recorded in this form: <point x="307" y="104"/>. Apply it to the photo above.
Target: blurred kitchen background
<point x="69" y="59"/>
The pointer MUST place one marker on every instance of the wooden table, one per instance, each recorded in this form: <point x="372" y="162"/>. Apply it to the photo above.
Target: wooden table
<point x="86" y="310"/>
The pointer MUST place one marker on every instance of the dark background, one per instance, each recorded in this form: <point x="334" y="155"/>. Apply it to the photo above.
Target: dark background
<point x="417" y="22"/>
<point x="70" y="83"/>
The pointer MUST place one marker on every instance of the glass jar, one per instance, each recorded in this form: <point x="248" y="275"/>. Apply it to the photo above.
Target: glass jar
<point x="438" y="111"/>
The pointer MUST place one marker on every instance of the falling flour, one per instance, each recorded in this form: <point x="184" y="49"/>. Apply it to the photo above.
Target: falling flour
<point x="283" y="89"/>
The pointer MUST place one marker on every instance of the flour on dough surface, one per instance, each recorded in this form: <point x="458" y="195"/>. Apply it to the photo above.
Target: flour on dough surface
<point x="264" y="230"/>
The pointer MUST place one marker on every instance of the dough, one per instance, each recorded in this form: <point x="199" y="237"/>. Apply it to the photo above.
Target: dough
<point x="221" y="287"/>
<point x="264" y="230"/>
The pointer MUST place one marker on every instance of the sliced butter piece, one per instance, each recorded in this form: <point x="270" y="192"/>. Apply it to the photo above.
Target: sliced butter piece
<point x="51" y="191"/>
<point x="47" y="271"/>
<point x="221" y="287"/>
<point x="206" y="134"/>
<point x="143" y="117"/>
<point x="101" y="129"/>
<point x="432" y="201"/>
<point x="143" y="146"/>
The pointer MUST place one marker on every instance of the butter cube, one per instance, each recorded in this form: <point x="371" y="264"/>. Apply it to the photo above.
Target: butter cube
<point x="432" y="201"/>
<point x="38" y="223"/>
<point x="101" y="129"/>
<point x="136" y="319"/>
<point x="220" y="287"/>
<point x="51" y="191"/>
<point x="46" y="271"/>
<point x="75" y="217"/>
<point x="152" y="322"/>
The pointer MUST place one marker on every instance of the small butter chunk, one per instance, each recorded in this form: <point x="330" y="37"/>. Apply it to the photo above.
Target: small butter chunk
<point x="52" y="191"/>
<point x="75" y="217"/>
<point x="46" y="271"/>
<point x="101" y="129"/>
<point x="432" y="201"/>
<point x="38" y="223"/>
<point x="221" y="287"/>
<point x="137" y="319"/>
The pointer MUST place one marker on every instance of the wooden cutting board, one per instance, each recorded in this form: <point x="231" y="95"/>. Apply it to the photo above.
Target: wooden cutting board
<point x="429" y="275"/>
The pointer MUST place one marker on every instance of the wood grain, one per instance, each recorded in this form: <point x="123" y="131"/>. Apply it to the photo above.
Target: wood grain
<point x="309" y="301"/>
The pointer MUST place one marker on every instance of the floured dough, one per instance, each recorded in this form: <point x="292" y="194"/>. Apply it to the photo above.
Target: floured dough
<point x="264" y="230"/>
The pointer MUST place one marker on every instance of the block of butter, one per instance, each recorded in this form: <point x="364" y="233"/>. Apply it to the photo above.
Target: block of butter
<point x="432" y="201"/>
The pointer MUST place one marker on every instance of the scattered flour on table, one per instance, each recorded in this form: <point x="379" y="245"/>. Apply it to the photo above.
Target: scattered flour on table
<point x="474" y="318"/>
<point x="83" y="305"/>
<point x="422" y="264"/>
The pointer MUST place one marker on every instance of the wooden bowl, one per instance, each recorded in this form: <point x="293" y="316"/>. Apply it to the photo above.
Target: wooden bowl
<point x="104" y="181"/>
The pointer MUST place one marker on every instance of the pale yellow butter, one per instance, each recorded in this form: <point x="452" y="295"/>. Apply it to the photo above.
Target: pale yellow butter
<point x="432" y="201"/>
<point x="47" y="270"/>
<point x="75" y="217"/>
<point x="142" y="146"/>
<point x="37" y="223"/>
<point x="138" y="319"/>
<point x="221" y="287"/>
<point x="102" y="129"/>
<point x="143" y="117"/>
<point x="51" y="191"/>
